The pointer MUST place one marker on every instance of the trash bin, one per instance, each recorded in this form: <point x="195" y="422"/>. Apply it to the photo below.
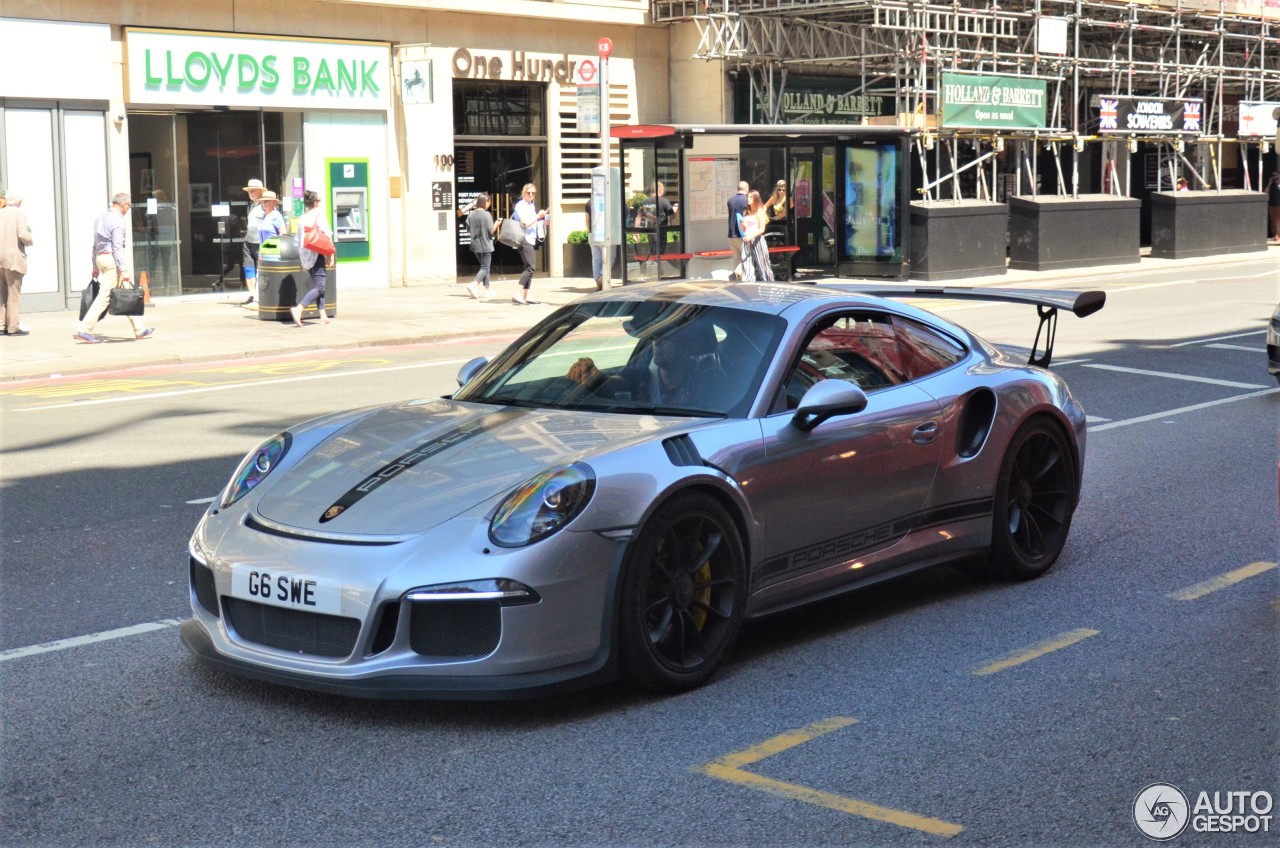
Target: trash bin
<point x="282" y="282"/>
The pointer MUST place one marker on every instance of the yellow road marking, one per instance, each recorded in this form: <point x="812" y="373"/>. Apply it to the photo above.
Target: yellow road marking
<point x="730" y="768"/>
<point x="93" y="387"/>
<point x="303" y="367"/>
<point x="1037" y="650"/>
<point x="1231" y="578"/>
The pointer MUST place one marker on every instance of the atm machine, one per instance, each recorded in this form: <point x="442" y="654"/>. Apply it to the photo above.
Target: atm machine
<point x="350" y="213"/>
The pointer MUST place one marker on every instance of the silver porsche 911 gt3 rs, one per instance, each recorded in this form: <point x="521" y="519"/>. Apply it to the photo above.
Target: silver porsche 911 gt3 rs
<point x="627" y="482"/>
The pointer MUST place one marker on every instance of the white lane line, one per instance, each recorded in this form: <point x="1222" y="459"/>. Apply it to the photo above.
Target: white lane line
<point x="1158" y="416"/>
<point x="1253" y="349"/>
<point x="248" y="384"/>
<point x="92" y="638"/>
<point x="1143" y="372"/>
<point x="1095" y="419"/>
<point x="203" y="500"/>
<point x="1219" y="338"/>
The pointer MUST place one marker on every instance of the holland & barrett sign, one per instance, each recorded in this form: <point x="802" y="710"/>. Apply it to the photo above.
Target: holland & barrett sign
<point x="971" y="101"/>
<point x="167" y="67"/>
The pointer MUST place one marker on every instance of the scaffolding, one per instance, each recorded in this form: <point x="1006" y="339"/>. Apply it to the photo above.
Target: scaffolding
<point x="1220" y="51"/>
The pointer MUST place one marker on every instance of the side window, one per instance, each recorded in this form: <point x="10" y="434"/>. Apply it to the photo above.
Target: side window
<point x="924" y="350"/>
<point x="859" y="347"/>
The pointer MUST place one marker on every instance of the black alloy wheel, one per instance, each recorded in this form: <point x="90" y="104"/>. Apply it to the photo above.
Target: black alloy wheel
<point x="683" y="594"/>
<point x="1035" y="499"/>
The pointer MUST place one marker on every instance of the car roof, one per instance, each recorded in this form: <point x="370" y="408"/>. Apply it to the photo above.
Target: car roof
<point x="767" y="298"/>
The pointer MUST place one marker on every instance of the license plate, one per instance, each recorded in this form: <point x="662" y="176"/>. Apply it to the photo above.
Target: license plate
<point x="286" y="589"/>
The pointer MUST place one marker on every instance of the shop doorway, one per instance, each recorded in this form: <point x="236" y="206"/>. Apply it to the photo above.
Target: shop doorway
<point x="187" y="176"/>
<point x="502" y="172"/>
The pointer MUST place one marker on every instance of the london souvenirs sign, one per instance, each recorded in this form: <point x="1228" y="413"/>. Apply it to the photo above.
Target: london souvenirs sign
<point x="179" y="68"/>
<point x="1150" y="115"/>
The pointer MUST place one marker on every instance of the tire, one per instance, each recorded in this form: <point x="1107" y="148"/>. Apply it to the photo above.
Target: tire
<point x="683" y="593"/>
<point x="1036" y="496"/>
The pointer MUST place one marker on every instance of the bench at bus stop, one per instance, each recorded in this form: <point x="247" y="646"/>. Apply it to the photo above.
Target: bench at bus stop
<point x="786" y="250"/>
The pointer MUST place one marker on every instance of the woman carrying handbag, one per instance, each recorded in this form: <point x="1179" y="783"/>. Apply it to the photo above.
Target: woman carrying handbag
<point x="316" y="254"/>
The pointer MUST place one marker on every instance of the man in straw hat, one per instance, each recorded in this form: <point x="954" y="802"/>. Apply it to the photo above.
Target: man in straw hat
<point x="252" y="237"/>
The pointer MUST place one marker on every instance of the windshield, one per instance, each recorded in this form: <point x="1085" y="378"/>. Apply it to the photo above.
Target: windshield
<point x="635" y="357"/>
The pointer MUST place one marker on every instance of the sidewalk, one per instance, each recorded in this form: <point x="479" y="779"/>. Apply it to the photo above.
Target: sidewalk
<point x="214" y="327"/>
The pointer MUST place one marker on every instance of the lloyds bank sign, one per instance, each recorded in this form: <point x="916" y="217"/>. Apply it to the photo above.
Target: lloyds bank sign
<point x="179" y="68"/>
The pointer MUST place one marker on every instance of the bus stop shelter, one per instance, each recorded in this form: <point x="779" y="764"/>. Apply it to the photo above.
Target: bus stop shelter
<point x="845" y="213"/>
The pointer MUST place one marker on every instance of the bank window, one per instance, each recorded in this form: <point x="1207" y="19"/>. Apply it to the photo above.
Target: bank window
<point x="488" y="108"/>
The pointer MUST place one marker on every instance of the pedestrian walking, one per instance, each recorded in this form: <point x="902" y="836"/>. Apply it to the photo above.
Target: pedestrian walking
<point x="755" y="250"/>
<point x="252" y="238"/>
<point x="272" y="224"/>
<point x="1273" y="204"/>
<point x="314" y="263"/>
<point x="15" y="236"/>
<point x="534" y="221"/>
<point x="482" y="228"/>
<point x="737" y="209"/>
<point x="110" y="252"/>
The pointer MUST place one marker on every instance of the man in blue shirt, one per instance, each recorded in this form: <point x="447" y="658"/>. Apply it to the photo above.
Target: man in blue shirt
<point x="109" y="266"/>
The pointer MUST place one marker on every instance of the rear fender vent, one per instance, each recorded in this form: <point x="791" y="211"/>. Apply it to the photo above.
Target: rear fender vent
<point x="979" y="413"/>
<point x="681" y="451"/>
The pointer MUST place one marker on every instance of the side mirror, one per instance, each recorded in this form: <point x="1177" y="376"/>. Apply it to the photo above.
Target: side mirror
<point x="470" y="369"/>
<point x="826" y="399"/>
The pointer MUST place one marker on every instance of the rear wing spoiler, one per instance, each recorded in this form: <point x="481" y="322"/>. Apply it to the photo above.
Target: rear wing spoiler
<point x="1046" y="301"/>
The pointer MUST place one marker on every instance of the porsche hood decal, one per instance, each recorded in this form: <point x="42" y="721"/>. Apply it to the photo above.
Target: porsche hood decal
<point x="404" y="462"/>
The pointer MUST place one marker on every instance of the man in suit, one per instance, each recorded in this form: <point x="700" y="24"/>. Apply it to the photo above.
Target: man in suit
<point x="15" y="235"/>
<point x="737" y="208"/>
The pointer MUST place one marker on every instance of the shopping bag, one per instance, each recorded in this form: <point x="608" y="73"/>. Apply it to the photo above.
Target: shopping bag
<point x="511" y="233"/>
<point x="124" y="301"/>
<point x="88" y="296"/>
<point x="317" y="241"/>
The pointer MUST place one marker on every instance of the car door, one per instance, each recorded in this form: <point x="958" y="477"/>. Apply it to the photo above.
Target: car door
<point x="855" y="483"/>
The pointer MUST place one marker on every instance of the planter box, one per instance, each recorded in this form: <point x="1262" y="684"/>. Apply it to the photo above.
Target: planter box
<point x="951" y="240"/>
<point x="577" y="261"/>
<point x="1047" y="233"/>
<point x="1205" y="223"/>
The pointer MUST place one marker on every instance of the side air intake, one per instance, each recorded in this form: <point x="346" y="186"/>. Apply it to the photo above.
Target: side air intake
<point x="681" y="452"/>
<point x="975" y="422"/>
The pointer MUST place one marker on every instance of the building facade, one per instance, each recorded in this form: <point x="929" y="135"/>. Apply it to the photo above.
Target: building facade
<point x="397" y="116"/>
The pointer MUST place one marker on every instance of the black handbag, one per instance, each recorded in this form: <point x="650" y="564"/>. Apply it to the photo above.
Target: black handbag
<point x="125" y="301"/>
<point x="88" y="296"/>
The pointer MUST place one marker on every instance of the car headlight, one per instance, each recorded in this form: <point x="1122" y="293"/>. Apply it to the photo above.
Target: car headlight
<point x="255" y="467"/>
<point x="542" y="505"/>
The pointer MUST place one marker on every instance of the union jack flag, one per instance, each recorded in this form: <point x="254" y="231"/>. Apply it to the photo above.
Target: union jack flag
<point x="1191" y="116"/>
<point x="1109" y="114"/>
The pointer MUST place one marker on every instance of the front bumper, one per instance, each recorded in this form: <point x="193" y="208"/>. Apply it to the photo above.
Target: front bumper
<point x="598" y="669"/>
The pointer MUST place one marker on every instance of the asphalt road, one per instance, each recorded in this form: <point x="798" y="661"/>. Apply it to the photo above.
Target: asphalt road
<point x="935" y="709"/>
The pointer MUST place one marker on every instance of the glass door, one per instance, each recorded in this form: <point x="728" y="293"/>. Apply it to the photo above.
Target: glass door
<point x="157" y="238"/>
<point x="813" y="190"/>
<point x="502" y="172"/>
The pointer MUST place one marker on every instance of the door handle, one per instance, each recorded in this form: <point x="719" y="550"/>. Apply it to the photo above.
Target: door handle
<point x="925" y="433"/>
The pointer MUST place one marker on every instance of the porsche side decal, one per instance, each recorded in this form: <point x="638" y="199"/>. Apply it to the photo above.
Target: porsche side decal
<point x="404" y="462"/>
<point x="867" y="539"/>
